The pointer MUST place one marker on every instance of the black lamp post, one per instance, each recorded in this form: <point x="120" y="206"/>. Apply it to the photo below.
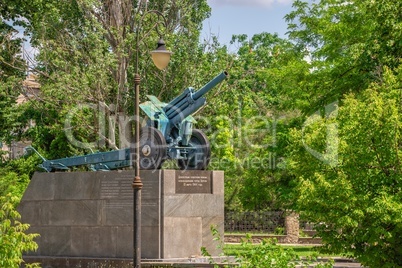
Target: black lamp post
<point x="161" y="58"/>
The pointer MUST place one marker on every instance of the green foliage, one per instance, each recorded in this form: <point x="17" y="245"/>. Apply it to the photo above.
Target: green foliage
<point x="12" y="183"/>
<point x="346" y="164"/>
<point x="268" y="254"/>
<point x="15" y="176"/>
<point x="248" y="127"/>
<point x="348" y="43"/>
<point x="358" y="200"/>
<point x="14" y="240"/>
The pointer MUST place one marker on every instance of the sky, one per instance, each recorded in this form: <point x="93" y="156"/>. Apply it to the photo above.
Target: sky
<point x="246" y="17"/>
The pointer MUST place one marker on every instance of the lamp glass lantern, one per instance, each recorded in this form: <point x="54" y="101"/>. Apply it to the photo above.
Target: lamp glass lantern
<point x="161" y="56"/>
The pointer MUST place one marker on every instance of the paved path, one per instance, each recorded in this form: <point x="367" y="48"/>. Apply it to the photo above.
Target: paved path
<point x="340" y="263"/>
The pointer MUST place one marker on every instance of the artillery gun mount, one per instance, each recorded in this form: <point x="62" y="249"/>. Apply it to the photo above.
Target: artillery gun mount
<point x="169" y="134"/>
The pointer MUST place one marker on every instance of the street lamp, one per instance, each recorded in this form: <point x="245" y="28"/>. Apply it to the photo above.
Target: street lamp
<point x="161" y="58"/>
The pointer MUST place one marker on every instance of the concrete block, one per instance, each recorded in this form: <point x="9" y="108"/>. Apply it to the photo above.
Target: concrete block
<point x="93" y="241"/>
<point x="178" y="205"/>
<point x="80" y="187"/>
<point x="218" y="186"/>
<point x="71" y="213"/>
<point x="169" y="181"/>
<point x="151" y="242"/>
<point x="53" y="241"/>
<point x="152" y="184"/>
<point x="41" y="187"/>
<point x="151" y="212"/>
<point x="116" y="212"/>
<point x="214" y="247"/>
<point x="207" y="205"/>
<point x="30" y="212"/>
<point x="182" y="237"/>
<point x="124" y="241"/>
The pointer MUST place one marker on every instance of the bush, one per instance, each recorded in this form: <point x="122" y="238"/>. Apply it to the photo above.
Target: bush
<point x="268" y="254"/>
<point x="13" y="239"/>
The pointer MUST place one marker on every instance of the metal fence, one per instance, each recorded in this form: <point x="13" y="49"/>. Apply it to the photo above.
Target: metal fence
<point x="254" y="221"/>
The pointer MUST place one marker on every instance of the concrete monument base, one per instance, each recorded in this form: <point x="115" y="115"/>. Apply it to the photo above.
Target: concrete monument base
<point x="90" y="214"/>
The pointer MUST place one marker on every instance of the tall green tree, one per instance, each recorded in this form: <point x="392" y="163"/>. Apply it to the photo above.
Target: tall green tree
<point x="355" y="193"/>
<point x="250" y="121"/>
<point x="12" y="72"/>
<point x="87" y="56"/>
<point x="348" y="43"/>
<point x="345" y="156"/>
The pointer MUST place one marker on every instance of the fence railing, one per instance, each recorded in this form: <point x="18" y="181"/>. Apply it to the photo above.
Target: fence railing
<point x="254" y="221"/>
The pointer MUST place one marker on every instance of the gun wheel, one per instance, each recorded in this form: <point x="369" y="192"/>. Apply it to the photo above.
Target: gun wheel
<point x="152" y="148"/>
<point x="199" y="152"/>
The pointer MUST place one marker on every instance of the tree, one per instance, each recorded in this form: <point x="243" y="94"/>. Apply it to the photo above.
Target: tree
<point x="345" y="156"/>
<point x="258" y="121"/>
<point x="86" y="58"/>
<point x="12" y="72"/>
<point x="357" y="200"/>
<point x="348" y="43"/>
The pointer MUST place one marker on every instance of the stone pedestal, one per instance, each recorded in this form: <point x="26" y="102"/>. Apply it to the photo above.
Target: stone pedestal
<point x="90" y="214"/>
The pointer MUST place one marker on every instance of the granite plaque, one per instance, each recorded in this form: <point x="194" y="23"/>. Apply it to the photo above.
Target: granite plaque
<point x="193" y="183"/>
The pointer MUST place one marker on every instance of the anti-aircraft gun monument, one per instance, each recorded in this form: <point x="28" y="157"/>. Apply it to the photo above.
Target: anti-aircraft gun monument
<point x="87" y="217"/>
<point x="169" y="134"/>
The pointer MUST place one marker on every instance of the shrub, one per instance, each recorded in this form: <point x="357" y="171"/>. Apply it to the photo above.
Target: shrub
<point x="268" y="254"/>
<point x="13" y="239"/>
